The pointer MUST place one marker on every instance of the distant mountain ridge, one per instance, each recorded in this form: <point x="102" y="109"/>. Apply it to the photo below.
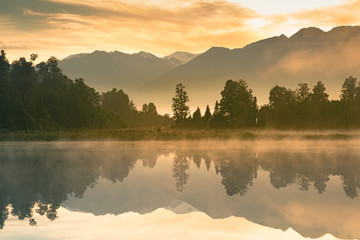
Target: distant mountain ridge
<point x="106" y="70"/>
<point x="179" y="57"/>
<point x="310" y="55"/>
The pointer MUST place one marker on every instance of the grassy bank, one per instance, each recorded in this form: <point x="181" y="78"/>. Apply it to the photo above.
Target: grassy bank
<point x="172" y="134"/>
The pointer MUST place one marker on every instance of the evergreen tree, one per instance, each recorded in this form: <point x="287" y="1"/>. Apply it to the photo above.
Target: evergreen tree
<point x="207" y="114"/>
<point x="196" y="119"/>
<point x="216" y="108"/>
<point x="207" y="117"/>
<point x="179" y="107"/>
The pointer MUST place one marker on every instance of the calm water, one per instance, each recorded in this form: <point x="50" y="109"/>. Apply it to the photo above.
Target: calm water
<point x="176" y="190"/>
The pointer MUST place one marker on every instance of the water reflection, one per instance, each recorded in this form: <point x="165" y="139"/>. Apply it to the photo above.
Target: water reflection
<point x="39" y="177"/>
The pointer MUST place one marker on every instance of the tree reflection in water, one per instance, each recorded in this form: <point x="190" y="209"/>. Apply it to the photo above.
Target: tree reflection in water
<point x="40" y="181"/>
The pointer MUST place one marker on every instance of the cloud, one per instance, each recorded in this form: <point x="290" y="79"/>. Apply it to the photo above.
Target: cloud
<point x="346" y="14"/>
<point x="88" y="25"/>
<point x="64" y="27"/>
<point x="36" y="14"/>
<point x="325" y="17"/>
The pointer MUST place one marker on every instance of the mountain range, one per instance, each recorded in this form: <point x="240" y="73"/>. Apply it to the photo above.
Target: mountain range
<point x="106" y="70"/>
<point x="308" y="56"/>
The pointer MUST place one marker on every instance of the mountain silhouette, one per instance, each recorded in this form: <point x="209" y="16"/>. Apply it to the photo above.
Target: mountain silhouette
<point x="310" y="55"/>
<point x="106" y="70"/>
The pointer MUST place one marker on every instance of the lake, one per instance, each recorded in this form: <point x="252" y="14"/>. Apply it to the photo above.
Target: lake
<point x="271" y="189"/>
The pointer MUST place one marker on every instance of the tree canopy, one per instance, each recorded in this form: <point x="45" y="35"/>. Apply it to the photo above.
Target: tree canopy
<point x="236" y="105"/>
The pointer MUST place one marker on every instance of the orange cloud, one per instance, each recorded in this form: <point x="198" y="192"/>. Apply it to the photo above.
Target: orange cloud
<point x="85" y="26"/>
<point x="346" y="14"/>
<point x="62" y="27"/>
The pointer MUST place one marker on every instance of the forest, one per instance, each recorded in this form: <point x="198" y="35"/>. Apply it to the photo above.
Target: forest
<point x="41" y="97"/>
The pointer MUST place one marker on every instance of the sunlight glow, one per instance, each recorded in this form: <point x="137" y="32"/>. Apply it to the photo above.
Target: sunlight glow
<point x="281" y="6"/>
<point x="62" y="27"/>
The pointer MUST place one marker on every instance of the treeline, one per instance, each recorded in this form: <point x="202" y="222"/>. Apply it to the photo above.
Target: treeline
<point x="42" y="97"/>
<point x="287" y="109"/>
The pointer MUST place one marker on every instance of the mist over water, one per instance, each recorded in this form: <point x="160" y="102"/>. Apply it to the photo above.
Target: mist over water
<point x="311" y="186"/>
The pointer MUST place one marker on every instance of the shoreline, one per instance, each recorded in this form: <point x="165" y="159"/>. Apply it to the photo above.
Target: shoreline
<point x="177" y="134"/>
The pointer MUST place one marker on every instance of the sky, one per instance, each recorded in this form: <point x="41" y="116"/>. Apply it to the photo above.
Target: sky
<point x="63" y="27"/>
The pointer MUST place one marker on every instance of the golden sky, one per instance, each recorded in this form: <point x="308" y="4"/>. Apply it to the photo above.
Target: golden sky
<point x="62" y="27"/>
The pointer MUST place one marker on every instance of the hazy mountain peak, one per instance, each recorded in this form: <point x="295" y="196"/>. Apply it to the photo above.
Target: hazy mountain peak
<point x="180" y="57"/>
<point x="345" y="31"/>
<point x="266" y="41"/>
<point x="308" y="33"/>
<point x="216" y="50"/>
<point x="100" y="52"/>
<point x="145" y="54"/>
<point x="74" y="56"/>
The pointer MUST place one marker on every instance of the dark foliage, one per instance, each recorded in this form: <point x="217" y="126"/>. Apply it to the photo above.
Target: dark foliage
<point x="287" y="109"/>
<point x="41" y="97"/>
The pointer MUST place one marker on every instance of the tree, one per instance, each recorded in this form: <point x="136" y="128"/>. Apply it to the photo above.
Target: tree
<point x="280" y="96"/>
<point x="319" y="95"/>
<point x="197" y="113"/>
<point x="207" y="114"/>
<point x="237" y="104"/>
<point x="207" y="117"/>
<point x="196" y="119"/>
<point x="349" y="89"/>
<point x="302" y="93"/>
<point x="4" y="70"/>
<point x="217" y="119"/>
<point x="179" y="107"/>
<point x="23" y="78"/>
<point x="118" y="102"/>
<point x="281" y="107"/>
<point x="216" y="108"/>
<point x="150" y="109"/>
<point x="4" y="90"/>
<point x="149" y="117"/>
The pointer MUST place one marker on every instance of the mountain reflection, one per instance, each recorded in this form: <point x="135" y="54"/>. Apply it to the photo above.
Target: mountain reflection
<point x="40" y="178"/>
